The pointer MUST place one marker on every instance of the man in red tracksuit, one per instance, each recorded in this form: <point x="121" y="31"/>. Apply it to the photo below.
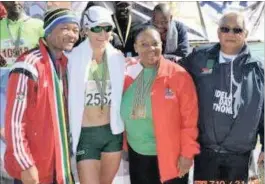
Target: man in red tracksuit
<point x="36" y="114"/>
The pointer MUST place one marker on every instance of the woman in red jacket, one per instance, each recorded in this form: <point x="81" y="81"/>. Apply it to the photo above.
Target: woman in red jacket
<point x="160" y="112"/>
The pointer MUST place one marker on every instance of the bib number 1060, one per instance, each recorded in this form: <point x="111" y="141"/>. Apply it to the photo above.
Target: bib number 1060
<point x="94" y="99"/>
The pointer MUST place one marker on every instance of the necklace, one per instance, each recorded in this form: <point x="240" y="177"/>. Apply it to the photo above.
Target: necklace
<point x="123" y="40"/>
<point x="101" y="84"/>
<point x="141" y="92"/>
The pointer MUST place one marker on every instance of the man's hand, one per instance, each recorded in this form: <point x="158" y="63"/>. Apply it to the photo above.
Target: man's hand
<point x="3" y="62"/>
<point x="184" y="165"/>
<point x="261" y="158"/>
<point x="30" y="176"/>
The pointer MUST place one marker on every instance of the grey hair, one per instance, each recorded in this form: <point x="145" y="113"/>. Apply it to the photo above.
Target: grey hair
<point x="233" y="13"/>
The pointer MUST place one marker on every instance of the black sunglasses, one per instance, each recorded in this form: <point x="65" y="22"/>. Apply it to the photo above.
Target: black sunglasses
<point x="234" y="30"/>
<point x="98" y="29"/>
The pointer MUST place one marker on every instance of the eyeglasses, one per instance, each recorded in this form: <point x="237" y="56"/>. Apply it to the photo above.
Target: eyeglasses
<point x="234" y="30"/>
<point x="99" y="29"/>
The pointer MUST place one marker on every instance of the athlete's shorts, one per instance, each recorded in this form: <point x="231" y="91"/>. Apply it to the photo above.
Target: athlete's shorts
<point x="95" y="140"/>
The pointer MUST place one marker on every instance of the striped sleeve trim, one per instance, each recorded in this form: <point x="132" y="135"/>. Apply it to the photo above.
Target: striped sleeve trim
<point x="25" y="66"/>
<point x="20" y="104"/>
<point x="16" y="123"/>
<point x="28" y="64"/>
<point x="25" y="72"/>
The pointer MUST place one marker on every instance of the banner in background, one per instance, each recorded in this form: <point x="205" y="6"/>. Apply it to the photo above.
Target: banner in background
<point x="201" y="17"/>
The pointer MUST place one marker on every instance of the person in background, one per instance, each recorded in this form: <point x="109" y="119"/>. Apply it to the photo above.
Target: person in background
<point x="230" y="87"/>
<point x="36" y="124"/>
<point x="160" y="114"/>
<point x="125" y="27"/>
<point x="96" y="76"/>
<point x="18" y="33"/>
<point x="173" y="33"/>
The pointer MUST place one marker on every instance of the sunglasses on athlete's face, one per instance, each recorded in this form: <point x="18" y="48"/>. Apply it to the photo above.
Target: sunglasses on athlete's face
<point x="224" y="29"/>
<point x="99" y="29"/>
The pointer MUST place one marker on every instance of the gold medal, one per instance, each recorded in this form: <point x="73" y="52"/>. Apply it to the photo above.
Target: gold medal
<point x="101" y="83"/>
<point x="139" y="112"/>
<point x="141" y="92"/>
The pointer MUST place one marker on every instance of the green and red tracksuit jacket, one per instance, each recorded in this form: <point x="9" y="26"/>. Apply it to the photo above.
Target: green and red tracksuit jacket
<point x="31" y="126"/>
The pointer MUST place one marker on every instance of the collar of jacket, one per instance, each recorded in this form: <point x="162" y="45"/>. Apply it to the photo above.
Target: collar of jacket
<point x="162" y="68"/>
<point x="136" y="67"/>
<point x="245" y="51"/>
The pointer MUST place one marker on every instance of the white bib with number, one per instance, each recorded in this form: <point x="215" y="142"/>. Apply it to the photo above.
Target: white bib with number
<point x="8" y="50"/>
<point x="92" y="94"/>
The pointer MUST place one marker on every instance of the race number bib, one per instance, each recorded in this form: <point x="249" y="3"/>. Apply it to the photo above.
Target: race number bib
<point x="8" y="52"/>
<point x="92" y="94"/>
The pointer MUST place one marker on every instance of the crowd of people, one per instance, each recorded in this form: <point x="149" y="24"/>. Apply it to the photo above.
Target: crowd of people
<point x="87" y="91"/>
